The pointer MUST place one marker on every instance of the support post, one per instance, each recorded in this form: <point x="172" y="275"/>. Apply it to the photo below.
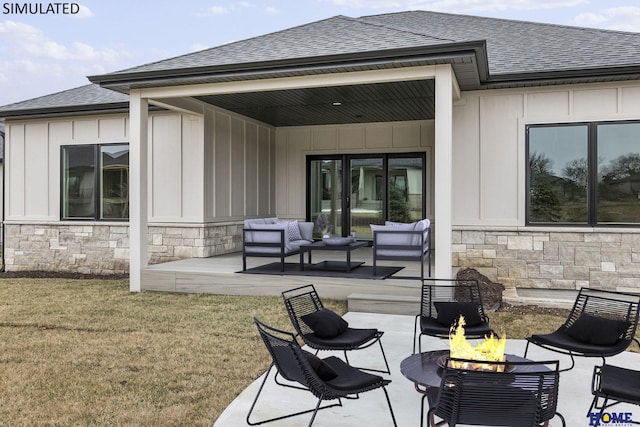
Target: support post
<point x="138" y="210"/>
<point x="443" y="159"/>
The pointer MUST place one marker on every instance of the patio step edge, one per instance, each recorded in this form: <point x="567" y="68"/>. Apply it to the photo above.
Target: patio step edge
<point x="384" y="304"/>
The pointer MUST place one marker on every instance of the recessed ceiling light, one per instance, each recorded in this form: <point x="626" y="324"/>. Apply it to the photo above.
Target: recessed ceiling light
<point x="336" y="103"/>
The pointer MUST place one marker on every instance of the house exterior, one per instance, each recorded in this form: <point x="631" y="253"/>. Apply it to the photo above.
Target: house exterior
<point x="519" y="141"/>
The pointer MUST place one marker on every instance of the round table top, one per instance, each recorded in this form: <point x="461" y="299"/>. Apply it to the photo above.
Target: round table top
<point x="423" y="368"/>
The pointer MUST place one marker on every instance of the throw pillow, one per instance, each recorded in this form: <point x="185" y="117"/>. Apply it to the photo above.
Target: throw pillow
<point x="449" y="312"/>
<point x="294" y="231"/>
<point x="325" y="323"/>
<point x="597" y="330"/>
<point x="324" y="371"/>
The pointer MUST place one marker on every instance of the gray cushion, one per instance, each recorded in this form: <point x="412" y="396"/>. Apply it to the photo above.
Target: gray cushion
<point x="306" y="230"/>
<point x="399" y="238"/>
<point x="266" y="237"/>
<point x="294" y="230"/>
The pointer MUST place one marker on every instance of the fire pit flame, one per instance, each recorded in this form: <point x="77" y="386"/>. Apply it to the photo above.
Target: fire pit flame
<point x="491" y="349"/>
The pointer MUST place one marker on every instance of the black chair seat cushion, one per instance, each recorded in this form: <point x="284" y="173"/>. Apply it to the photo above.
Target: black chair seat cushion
<point x="350" y="378"/>
<point x="323" y="369"/>
<point x="351" y="338"/>
<point x="430" y="326"/>
<point x="325" y="323"/>
<point x="621" y="383"/>
<point x="597" y="330"/>
<point x="560" y="339"/>
<point x="449" y="312"/>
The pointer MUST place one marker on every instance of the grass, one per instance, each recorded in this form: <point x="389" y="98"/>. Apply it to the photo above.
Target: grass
<point x="91" y="353"/>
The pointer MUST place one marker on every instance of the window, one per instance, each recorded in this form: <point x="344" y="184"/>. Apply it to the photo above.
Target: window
<point x="95" y="182"/>
<point x="584" y="173"/>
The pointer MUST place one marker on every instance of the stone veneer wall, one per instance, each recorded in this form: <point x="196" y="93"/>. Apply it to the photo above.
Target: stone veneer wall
<point x="104" y="249"/>
<point x="551" y="258"/>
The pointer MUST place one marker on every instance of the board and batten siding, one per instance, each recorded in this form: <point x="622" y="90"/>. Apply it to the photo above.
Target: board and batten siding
<point x="207" y="171"/>
<point x="489" y="141"/>
<point x="294" y="144"/>
<point x="489" y="194"/>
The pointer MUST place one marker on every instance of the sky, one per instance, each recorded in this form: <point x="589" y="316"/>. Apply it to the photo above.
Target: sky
<point x="44" y="53"/>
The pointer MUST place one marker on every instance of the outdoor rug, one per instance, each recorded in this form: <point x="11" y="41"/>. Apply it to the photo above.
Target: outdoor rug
<point x="293" y="269"/>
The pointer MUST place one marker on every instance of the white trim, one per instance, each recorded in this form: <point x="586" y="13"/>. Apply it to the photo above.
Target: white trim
<point x="138" y="189"/>
<point x="300" y="82"/>
<point x="443" y="160"/>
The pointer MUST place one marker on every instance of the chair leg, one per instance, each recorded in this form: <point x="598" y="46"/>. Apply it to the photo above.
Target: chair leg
<point x="393" y="417"/>
<point x="384" y="357"/>
<point x="415" y="333"/>
<point x="255" y="400"/>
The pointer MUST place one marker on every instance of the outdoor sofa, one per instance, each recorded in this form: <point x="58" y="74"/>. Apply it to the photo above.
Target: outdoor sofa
<point x="273" y="237"/>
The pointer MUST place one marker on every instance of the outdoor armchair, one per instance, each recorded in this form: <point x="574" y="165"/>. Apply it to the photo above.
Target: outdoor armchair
<point x="601" y="324"/>
<point x="395" y="241"/>
<point x="322" y="329"/>
<point x="615" y="385"/>
<point x="442" y="302"/>
<point x="327" y="379"/>
<point x="524" y="397"/>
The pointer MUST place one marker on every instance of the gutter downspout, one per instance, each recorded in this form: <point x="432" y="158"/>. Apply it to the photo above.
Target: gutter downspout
<point x="4" y="144"/>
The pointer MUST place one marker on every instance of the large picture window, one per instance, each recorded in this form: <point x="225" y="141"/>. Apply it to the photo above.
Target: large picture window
<point x="95" y="182"/>
<point x="584" y="173"/>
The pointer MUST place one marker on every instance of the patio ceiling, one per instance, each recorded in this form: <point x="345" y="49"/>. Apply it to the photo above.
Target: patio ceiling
<point x="380" y="102"/>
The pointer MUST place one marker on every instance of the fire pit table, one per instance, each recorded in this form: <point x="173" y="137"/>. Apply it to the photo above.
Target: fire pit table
<point x="424" y="370"/>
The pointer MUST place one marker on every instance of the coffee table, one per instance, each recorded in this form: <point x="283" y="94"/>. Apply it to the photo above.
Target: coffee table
<point x="332" y="265"/>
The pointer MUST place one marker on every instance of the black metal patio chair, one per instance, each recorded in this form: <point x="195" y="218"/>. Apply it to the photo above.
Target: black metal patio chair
<point x="524" y="395"/>
<point x="614" y="385"/>
<point x="442" y="302"/>
<point x="601" y="324"/>
<point x="327" y="379"/>
<point x="322" y="329"/>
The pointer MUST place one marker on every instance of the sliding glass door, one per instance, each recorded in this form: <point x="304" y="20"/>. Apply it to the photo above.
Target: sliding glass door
<point x="358" y="190"/>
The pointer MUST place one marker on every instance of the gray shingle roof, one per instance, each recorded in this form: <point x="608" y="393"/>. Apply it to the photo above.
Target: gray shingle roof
<point x="524" y="47"/>
<point x="513" y="46"/>
<point x="516" y="51"/>
<point x="339" y="35"/>
<point x="88" y="97"/>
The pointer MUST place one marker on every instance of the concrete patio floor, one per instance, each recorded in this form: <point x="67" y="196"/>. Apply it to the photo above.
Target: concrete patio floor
<point x="371" y="409"/>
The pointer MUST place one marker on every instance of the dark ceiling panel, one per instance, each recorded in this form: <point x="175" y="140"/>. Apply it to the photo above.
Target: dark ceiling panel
<point x="380" y="102"/>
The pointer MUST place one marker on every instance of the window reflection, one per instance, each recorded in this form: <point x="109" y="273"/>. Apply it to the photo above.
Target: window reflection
<point x="558" y="174"/>
<point x="619" y="173"/>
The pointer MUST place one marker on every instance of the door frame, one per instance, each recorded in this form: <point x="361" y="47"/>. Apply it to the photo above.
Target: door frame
<point x="346" y="181"/>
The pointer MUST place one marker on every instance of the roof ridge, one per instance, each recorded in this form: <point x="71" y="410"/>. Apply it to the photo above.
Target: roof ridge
<point x="521" y="21"/>
<point x="391" y="27"/>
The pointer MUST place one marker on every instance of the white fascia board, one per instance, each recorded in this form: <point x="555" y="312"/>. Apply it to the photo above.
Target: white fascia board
<point x="298" y="82"/>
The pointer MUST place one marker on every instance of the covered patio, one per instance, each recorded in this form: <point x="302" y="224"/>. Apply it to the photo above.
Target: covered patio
<point x="408" y="90"/>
